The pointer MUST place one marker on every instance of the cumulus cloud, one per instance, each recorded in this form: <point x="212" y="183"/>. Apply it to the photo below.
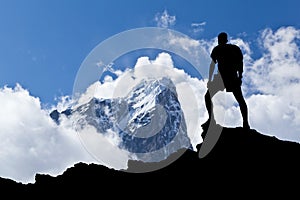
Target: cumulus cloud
<point x="30" y="142"/>
<point x="103" y="146"/>
<point x="165" y="20"/>
<point x="185" y="43"/>
<point x="278" y="68"/>
<point x="276" y="78"/>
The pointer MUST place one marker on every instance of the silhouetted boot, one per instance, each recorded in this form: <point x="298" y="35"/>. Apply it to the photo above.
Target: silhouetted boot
<point x="205" y="125"/>
<point x="210" y="122"/>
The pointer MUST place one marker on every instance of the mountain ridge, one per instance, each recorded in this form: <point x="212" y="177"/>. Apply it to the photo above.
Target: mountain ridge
<point x="244" y="158"/>
<point x="149" y="121"/>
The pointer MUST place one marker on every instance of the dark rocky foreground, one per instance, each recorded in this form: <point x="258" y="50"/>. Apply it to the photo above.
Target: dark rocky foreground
<point x="242" y="164"/>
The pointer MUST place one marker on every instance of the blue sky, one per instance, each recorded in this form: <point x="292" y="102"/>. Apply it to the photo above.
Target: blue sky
<point x="43" y="43"/>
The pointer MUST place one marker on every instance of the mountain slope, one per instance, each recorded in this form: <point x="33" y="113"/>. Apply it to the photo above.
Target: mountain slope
<point x="244" y="161"/>
<point x="149" y="121"/>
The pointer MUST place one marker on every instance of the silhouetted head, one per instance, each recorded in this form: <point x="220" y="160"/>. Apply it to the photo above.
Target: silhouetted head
<point x="222" y="38"/>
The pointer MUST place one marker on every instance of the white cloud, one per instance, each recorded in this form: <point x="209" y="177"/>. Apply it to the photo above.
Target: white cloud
<point x="198" y="27"/>
<point x="276" y="76"/>
<point x="165" y="20"/>
<point x="30" y="142"/>
<point x="245" y="47"/>
<point x="198" y="24"/>
<point x="275" y="116"/>
<point x="194" y="51"/>
<point x="278" y="68"/>
<point x="104" y="147"/>
<point x="185" y="43"/>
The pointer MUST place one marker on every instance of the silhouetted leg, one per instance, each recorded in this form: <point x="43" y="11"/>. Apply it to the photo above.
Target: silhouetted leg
<point x="243" y="107"/>
<point x="208" y="104"/>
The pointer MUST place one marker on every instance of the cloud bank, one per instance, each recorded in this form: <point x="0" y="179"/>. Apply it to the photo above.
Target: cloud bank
<point x="275" y="80"/>
<point x="30" y="142"/>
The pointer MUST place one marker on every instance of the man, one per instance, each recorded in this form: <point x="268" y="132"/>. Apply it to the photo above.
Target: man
<point x="229" y="58"/>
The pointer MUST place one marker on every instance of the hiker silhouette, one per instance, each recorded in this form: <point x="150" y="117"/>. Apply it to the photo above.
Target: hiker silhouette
<point x="229" y="59"/>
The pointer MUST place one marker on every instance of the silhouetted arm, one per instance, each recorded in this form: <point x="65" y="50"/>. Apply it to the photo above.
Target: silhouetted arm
<point x="211" y="70"/>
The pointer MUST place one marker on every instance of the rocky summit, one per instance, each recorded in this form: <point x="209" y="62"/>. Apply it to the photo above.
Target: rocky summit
<point x="149" y="120"/>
